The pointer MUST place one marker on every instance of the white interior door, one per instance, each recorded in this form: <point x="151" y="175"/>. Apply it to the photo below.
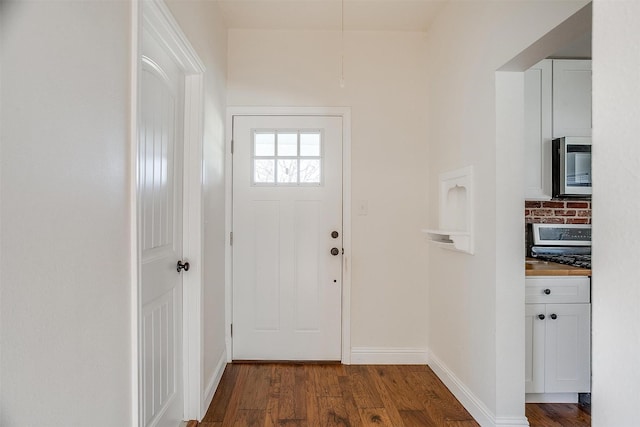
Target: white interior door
<point x="287" y="218"/>
<point x="160" y="160"/>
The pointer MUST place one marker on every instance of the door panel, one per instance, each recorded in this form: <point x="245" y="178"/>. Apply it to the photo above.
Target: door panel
<point x="160" y="221"/>
<point x="287" y="199"/>
<point x="568" y="364"/>
<point x="307" y="246"/>
<point x="534" y="348"/>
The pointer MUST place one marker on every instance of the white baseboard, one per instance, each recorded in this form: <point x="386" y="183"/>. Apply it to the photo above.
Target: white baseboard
<point x="551" y="398"/>
<point x="511" y="422"/>
<point x="388" y="356"/>
<point x="213" y="383"/>
<point x="469" y="400"/>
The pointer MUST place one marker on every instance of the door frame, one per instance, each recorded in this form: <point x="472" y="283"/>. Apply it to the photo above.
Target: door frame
<point x="155" y="16"/>
<point x="345" y="114"/>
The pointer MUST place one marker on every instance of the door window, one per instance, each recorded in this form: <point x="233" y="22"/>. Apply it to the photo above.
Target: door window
<point x="286" y="157"/>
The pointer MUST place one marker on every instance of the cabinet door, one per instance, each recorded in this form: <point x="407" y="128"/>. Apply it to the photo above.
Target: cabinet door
<point x="568" y="348"/>
<point x="534" y="348"/>
<point x="537" y="128"/>
<point x="571" y="98"/>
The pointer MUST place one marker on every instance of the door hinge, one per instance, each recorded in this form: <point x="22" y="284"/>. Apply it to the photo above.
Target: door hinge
<point x="231" y="238"/>
<point x="232" y="146"/>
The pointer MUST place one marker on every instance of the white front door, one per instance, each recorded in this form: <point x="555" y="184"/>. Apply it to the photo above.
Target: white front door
<point x="160" y="174"/>
<point x="287" y="221"/>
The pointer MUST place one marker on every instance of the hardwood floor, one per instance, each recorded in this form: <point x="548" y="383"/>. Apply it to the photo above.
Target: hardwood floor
<point x="558" y="415"/>
<point x="305" y="395"/>
<point x="333" y="395"/>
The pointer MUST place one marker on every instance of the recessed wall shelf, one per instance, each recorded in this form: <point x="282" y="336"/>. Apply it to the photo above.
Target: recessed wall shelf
<point x="455" y="230"/>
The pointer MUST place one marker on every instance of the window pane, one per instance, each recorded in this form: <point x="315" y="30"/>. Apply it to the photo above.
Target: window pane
<point x="263" y="171"/>
<point x="287" y="144"/>
<point x="287" y="170"/>
<point x="310" y="171"/>
<point x="310" y="144"/>
<point x="265" y="144"/>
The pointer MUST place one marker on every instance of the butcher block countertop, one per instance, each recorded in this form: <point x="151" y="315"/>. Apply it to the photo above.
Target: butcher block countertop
<point x="534" y="267"/>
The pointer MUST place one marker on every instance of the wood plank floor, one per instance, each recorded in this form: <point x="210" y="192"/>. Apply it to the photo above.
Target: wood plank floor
<point x="305" y="395"/>
<point x="558" y="415"/>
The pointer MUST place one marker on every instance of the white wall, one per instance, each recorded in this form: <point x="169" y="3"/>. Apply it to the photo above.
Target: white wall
<point x="65" y="336"/>
<point x="202" y="23"/>
<point x="473" y="332"/>
<point x="385" y="87"/>
<point x="616" y="236"/>
<point x="64" y="218"/>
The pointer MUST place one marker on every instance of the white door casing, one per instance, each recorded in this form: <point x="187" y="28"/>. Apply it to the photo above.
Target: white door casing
<point x="287" y="293"/>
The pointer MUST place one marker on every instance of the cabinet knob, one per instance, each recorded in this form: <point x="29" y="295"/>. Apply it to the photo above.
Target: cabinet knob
<point x="554" y="316"/>
<point x="335" y="251"/>
<point x="541" y="316"/>
<point x="547" y="291"/>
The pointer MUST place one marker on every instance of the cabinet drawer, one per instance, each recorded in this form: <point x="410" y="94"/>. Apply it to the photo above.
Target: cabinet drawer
<point x="557" y="289"/>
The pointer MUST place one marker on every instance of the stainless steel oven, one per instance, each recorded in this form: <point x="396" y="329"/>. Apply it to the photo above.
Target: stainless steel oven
<point x="562" y="243"/>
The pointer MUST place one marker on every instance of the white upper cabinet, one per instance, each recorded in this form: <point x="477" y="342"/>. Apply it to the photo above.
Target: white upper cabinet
<point x="557" y="103"/>
<point x="571" y="98"/>
<point x="537" y="125"/>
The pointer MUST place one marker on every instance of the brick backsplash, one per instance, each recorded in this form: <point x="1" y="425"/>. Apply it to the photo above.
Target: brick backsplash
<point x="558" y="212"/>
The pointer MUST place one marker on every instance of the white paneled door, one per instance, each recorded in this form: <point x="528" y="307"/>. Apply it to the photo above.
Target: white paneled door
<point x="160" y="226"/>
<point x="287" y="237"/>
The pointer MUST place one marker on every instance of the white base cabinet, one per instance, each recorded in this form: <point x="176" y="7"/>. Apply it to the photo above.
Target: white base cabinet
<point x="557" y="337"/>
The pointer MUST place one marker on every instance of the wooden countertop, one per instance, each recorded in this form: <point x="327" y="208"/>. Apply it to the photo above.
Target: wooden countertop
<point x="534" y="267"/>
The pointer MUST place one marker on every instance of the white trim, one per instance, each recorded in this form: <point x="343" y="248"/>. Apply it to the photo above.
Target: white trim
<point x="163" y="25"/>
<point x="469" y="400"/>
<point x="346" y="235"/>
<point x="213" y="383"/>
<point x="389" y="356"/>
<point x="193" y="246"/>
<point x="551" y="398"/>
<point x="345" y="113"/>
<point x="228" y="226"/>
<point x="136" y="29"/>
<point x="511" y="421"/>
<point x="155" y="16"/>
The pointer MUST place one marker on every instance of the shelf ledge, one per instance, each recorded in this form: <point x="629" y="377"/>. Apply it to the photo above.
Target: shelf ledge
<point x="453" y="240"/>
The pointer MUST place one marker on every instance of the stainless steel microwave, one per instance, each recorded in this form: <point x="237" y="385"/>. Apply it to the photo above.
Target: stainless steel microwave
<point x="571" y="166"/>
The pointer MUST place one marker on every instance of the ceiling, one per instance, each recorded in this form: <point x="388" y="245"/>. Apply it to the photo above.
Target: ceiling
<point x="359" y="15"/>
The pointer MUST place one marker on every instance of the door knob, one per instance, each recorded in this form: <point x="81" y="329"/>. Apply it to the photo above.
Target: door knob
<point x="180" y="266"/>
<point x="335" y="251"/>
